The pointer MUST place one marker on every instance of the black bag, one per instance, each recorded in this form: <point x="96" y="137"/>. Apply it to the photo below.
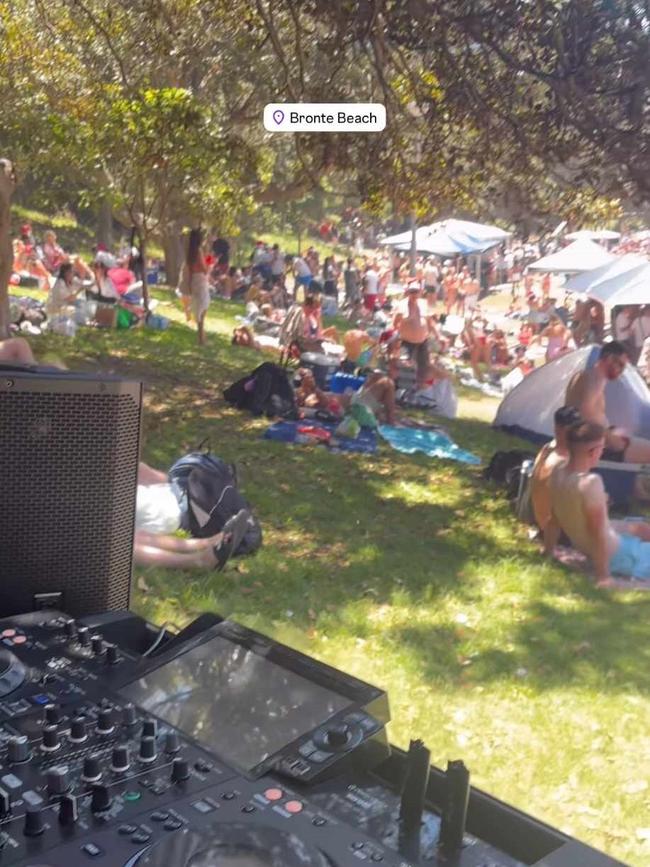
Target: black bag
<point x="504" y="467"/>
<point x="265" y="391"/>
<point x="212" y="498"/>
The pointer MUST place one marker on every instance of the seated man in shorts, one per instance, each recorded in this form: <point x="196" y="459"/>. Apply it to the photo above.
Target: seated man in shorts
<point x="579" y="508"/>
<point x="586" y="391"/>
<point x="550" y="456"/>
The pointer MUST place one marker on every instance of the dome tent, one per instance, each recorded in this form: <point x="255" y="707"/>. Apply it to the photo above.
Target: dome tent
<point x="528" y="409"/>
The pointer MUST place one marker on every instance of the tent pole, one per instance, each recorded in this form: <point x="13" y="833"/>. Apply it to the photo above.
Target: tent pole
<point x="413" y="251"/>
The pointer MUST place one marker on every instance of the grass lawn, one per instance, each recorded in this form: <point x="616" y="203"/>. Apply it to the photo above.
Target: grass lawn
<point x="414" y="575"/>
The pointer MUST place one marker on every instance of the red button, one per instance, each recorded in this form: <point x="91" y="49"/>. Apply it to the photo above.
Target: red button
<point x="293" y="806"/>
<point x="273" y="794"/>
<point x="20" y="639"/>
<point x="8" y="633"/>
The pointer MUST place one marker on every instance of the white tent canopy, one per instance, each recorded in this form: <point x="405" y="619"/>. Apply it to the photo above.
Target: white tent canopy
<point x="579" y="256"/>
<point x="528" y="409"/>
<point x="450" y="238"/>
<point x="593" y="235"/>
<point x="624" y="280"/>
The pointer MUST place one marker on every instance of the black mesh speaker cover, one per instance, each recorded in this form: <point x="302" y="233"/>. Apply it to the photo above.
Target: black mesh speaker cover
<point x="69" y="446"/>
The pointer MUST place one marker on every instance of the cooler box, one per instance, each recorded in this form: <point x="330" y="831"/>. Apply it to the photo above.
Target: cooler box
<point x="322" y="366"/>
<point x="620" y="480"/>
<point x="341" y="382"/>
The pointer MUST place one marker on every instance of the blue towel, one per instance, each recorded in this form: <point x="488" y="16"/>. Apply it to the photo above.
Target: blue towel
<point x="436" y="445"/>
<point x="286" y="431"/>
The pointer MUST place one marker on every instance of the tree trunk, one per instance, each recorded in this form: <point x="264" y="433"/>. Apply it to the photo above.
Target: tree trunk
<point x="173" y="248"/>
<point x="105" y="223"/>
<point x="7" y="187"/>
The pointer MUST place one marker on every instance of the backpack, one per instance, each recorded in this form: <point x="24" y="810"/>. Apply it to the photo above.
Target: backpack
<point x="265" y="391"/>
<point x="212" y="498"/>
<point x="504" y="467"/>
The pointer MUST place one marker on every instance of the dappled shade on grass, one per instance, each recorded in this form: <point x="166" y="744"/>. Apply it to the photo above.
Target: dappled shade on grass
<point x="412" y="573"/>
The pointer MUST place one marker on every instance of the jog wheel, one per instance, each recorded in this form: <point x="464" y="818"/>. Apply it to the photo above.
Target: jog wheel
<point x="12" y="672"/>
<point x="233" y="846"/>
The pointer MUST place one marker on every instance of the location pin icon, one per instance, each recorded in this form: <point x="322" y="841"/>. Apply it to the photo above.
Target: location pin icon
<point x="278" y="116"/>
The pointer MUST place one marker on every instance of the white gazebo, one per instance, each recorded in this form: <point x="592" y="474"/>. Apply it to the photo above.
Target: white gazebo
<point x="450" y="238"/>
<point x="593" y="235"/>
<point x="608" y="279"/>
<point x="582" y="255"/>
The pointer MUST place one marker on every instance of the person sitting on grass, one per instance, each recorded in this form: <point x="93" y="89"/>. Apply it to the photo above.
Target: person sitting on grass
<point x="550" y="456"/>
<point x="64" y="291"/>
<point x="355" y="341"/>
<point x="378" y="395"/>
<point x="160" y="512"/>
<point x="579" y="509"/>
<point x="308" y="394"/>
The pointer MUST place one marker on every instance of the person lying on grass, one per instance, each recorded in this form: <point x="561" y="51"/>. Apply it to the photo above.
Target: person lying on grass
<point x="160" y="511"/>
<point x="579" y="508"/>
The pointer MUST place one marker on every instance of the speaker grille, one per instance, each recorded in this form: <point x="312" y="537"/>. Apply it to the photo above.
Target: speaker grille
<point x="67" y="497"/>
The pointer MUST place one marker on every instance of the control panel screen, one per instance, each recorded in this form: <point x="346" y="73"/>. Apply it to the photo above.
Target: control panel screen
<point x="234" y="701"/>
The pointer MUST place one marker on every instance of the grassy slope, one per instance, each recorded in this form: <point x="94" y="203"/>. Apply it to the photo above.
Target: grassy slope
<point x="413" y="574"/>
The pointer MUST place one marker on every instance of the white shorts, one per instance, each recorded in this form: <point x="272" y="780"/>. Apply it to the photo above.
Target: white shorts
<point x="200" y="292"/>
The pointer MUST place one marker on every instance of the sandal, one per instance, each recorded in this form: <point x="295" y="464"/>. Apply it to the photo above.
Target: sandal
<point x="234" y="531"/>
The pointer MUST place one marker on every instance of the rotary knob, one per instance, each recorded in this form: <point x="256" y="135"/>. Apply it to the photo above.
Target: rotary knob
<point x="70" y="628"/>
<point x="112" y="654"/>
<point x="337" y="736"/>
<point x="58" y="781"/>
<point x="68" y="810"/>
<point x="147" y="750"/>
<point x="129" y="715"/>
<point x="52" y="715"/>
<point x="78" y="733"/>
<point x="172" y="744"/>
<point x="180" y="770"/>
<point x="92" y="770"/>
<point x="83" y="636"/>
<point x="34" y="824"/>
<point x="98" y="645"/>
<point x="18" y="750"/>
<point x="50" y="741"/>
<point x="120" y="760"/>
<point x="101" y="799"/>
<point x="105" y="724"/>
<point x="149" y="728"/>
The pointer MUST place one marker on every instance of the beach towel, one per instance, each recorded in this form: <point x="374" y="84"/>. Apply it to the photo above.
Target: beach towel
<point x="297" y="432"/>
<point x="430" y="442"/>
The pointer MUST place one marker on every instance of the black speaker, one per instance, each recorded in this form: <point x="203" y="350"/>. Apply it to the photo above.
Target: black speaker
<point x="70" y="445"/>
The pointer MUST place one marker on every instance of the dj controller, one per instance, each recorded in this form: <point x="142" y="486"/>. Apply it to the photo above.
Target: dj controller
<point x="219" y="747"/>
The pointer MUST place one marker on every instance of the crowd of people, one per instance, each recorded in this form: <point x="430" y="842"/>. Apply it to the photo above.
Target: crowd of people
<point x="409" y="330"/>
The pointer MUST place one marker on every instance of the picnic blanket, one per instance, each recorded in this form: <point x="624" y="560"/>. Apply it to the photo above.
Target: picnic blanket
<point x="308" y="432"/>
<point x="431" y="442"/>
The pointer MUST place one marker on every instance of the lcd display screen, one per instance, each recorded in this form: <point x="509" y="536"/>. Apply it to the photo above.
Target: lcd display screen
<point x="234" y="701"/>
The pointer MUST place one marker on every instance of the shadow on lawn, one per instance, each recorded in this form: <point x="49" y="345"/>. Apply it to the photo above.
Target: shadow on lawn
<point x="602" y="645"/>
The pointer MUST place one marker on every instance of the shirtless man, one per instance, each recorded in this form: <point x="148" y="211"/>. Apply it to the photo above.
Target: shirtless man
<point x="550" y="456"/>
<point x="355" y="341"/>
<point x="586" y="391"/>
<point x="413" y="326"/>
<point x="16" y="350"/>
<point x="579" y="508"/>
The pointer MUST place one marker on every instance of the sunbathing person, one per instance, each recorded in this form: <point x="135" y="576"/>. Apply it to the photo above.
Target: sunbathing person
<point x="160" y="511"/>
<point x="579" y="508"/>
<point x="243" y="336"/>
<point x="378" y="395"/>
<point x="586" y="391"/>
<point x="550" y="456"/>
<point x="308" y="394"/>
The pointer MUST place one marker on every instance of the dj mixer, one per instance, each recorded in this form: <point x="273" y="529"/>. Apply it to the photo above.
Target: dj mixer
<point x="222" y="748"/>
